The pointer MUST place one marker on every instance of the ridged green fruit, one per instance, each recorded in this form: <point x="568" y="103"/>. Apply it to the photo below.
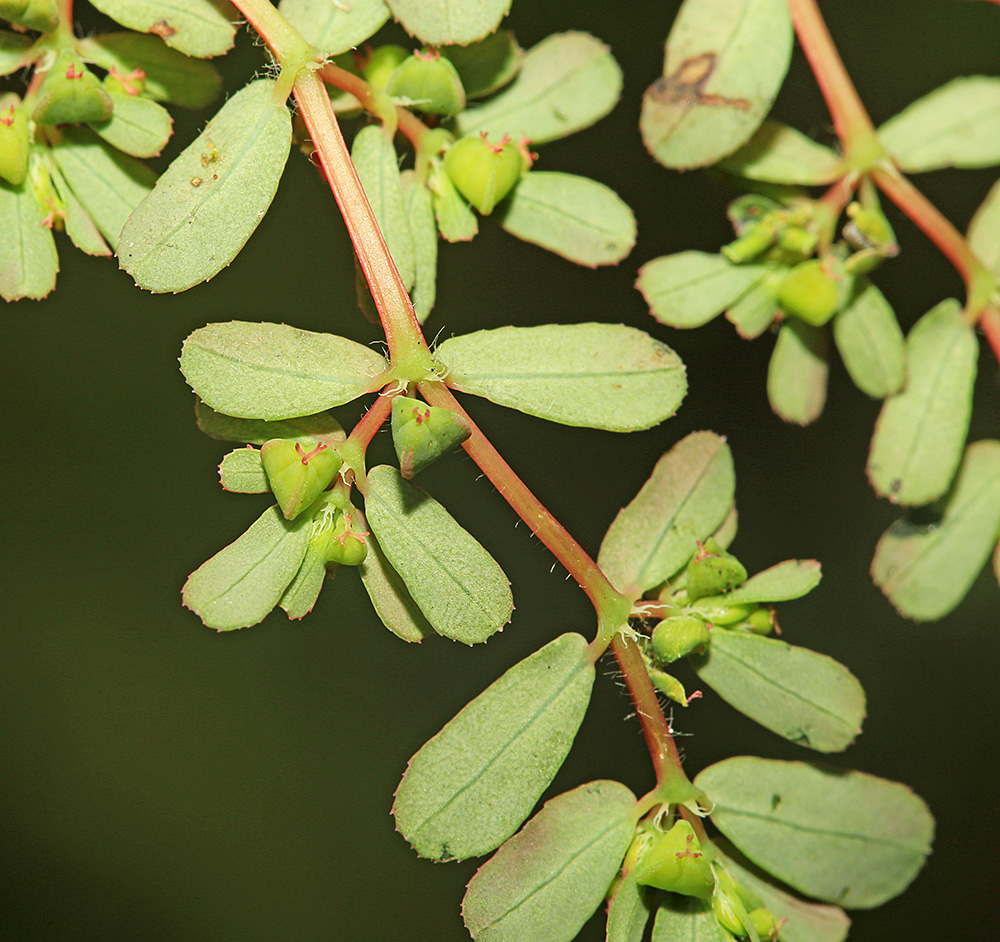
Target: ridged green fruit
<point x="810" y="293"/>
<point x="713" y="572"/>
<point x="382" y="63"/>
<point x="14" y="140"/>
<point x="428" y="82"/>
<point x="346" y="547"/>
<point x="421" y="433"/>
<point x="484" y="173"/>
<point x="675" y="862"/>
<point x="678" y="635"/>
<point x="71" y="93"/>
<point x="298" y="472"/>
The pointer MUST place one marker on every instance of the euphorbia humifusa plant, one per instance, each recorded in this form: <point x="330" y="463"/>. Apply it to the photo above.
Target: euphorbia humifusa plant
<point x="450" y="126"/>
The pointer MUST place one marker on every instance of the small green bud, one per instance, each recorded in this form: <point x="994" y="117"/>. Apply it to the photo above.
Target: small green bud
<point x="298" y="473"/>
<point x="720" y="612"/>
<point x="428" y="82"/>
<point x="346" y="547"/>
<point x="748" y="210"/>
<point x="71" y="93"/>
<point x="14" y="139"/>
<point x="798" y="240"/>
<point x="755" y="241"/>
<point x="728" y="904"/>
<point x="676" y="862"/>
<point x="421" y="433"/>
<point x="678" y="635"/>
<point x="765" y="923"/>
<point x="382" y="63"/>
<point x="484" y="173"/>
<point x="641" y="843"/>
<point x="761" y="620"/>
<point x="810" y="293"/>
<point x="713" y="573"/>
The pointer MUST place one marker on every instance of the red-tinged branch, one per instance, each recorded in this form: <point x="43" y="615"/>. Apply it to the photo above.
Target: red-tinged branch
<point x="979" y="281"/>
<point x="362" y="433"/>
<point x="605" y="598"/>
<point x="660" y="742"/>
<point x="990" y="323"/>
<point x="850" y="120"/>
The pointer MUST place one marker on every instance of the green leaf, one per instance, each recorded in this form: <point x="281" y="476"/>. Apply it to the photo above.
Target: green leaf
<point x="779" y="154"/>
<point x="459" y="587"/>
<point x="805" y="921"/>
<point x="925" y="568"/>
<point x="487" y="65"/>
<point x="375" y="160"/>
<point x="137" y="126"/>
<point x="575" y="217"/>
<point x="870" y="342"/>
<point x="240" y="585"/>
<point x="299" y="599"/>
<point x="687" y="919"/>
<point x="784" y="581"/>
<point x="28" y="260"/>
<point x="108" y="183"/>
<point x="754" y="312"/>
<point x="724" y="64"/>
<point x="439" y="22"/>
<point x="242" y="472"/>
<point x="81" y="229"/>
<point x="797" y="373"/>
<point x="690" y="288"/>
<point x="388" y="593"/>
<point x="199" y="28"/>
<point x="984" y="230"/>
<point x="456" y="221"/>
<point x="688" y="495"/>
<point x="226" y="428"/>
<point x="842" y="837"/>
<point x="333" y="26"/>
<point x="596" y="375"/>
<point x="956" y="125"/>
<point x="727" y="529"/>
<point x="418" y="204"/>
<point x="273" y="371"/>
<point x="13" y="47"/>
<point x="566" y="83"/>
<point x="472" y="785"/>
<point x="804" y="696"/>
<point x="545" y="882"/>
<point x="996" y="562"/>
<point x="629" y="910"/>
<point x="170" y="75"/>
<point x="921" y="430"/>
<point x="213" y="195"/>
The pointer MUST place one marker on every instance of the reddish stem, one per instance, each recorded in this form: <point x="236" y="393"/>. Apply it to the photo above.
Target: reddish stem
<point x="362" y="433"/>
<point x="990" y="323"/>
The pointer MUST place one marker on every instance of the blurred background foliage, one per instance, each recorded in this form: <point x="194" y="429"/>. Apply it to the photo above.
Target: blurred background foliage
<point x="161" y="782"/>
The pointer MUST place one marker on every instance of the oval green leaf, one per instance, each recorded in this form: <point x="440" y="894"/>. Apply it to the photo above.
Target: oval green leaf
<point x="299" y="599"/>
<point x="842" y="837"/>
<point x="473" y="784"/>
<point x="108" y="183"/>
<point x="240" y="584"/>
<point x="273" y="371"/>
<point x="806" y="697"/>
<point x="487" y="65"/>
<point x="723" y="67"/>
<point x="458" y="586"/>
<point x="28" y="260"/>
<point x="925" y="569"/>
<point x="797" y="373"/>
<point x="211" y="198"/>
<point x="545" y="882"/>
<point x="604" y="376"/>
<point x="984" y="230"/>
<point x="575" y="217"/>
<point x="784" y="581"/>
<point x="170" y="75"/>
<point x="13" y="49"/>
<point x="137" y="126"/>
<point x="690" y="288"/>
<point x="687" y="919"/>
<point x="629" y="910"/>
<point x="804" y="921"/>
<point x="388" y="593"/>
<point x="870" y="342"/>
<point x="200" y="28"/>
<point x="920" y="432"/>
<point x="687" y="497"/>
<point x="81" y="229"/>
<point x="418" y="204"/>
<point x="438" y="22"/>
<point x="377" y="164"/>
<point x="566" y="83"/>
<point x="779" y="154"/>
<point x="333" y="26"/>
<point x="241" y="471"/>
<point x="226" y="428"/>
<point x="956" y="125"/>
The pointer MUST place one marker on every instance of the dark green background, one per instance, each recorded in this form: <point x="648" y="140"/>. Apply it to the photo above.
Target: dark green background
<point x="164" y="783"/>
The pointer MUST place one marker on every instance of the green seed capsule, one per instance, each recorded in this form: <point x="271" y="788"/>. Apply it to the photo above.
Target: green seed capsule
<point x="346" y="547"/>
<point x="14" y="140"/>
<point x="382" y="63"/>
<point x="765" y="923"/>
<point x="678" y="635"/>
<point x="298" y="473"/>
<point x="713" y="573"/>
<point x="810" y="293"/>
<point x="71" y="93"/>
<point x="421" y="433"/>
<point x="428" y="82"/>
<point x="676" y="862"/>
<point x="718" y="611"/>
<point x="484" y="173"/>
<point x="728" y="905"/>
<point x="761" y="621"/>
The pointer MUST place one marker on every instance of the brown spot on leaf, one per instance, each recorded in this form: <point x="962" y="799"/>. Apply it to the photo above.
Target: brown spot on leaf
<point x="196" y="181"/>
<point x="685" y="87"/>
<point x="162" y="29"/>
